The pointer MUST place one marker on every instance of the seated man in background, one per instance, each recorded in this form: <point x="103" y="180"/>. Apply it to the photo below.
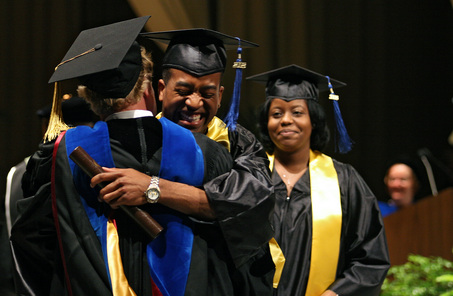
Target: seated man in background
<point x="402" y="184"/>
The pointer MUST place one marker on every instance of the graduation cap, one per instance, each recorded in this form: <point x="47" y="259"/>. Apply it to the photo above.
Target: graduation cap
<point x="105" y="59"/>
<point x="201" y="52"/>
<point x="294" y="82"/>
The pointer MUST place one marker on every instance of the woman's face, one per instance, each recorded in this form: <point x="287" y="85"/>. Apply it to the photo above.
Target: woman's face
<point x="401" y="184"/>
<point x="289" y="125"/>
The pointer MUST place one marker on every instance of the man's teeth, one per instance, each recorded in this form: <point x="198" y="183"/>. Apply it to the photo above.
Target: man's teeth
<point x="193" y="117"/>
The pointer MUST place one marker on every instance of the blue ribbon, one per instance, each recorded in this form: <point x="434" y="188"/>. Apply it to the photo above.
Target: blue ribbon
<point x="95" y="141"/>
<point x="169" y="255"/>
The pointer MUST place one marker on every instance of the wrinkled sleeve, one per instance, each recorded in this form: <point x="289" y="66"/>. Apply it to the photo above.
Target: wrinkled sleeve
<point x="364" y="259"/>
<point x="33" y="236"/>
<point x="243" y="199"/>
<point x="38" y="169"/>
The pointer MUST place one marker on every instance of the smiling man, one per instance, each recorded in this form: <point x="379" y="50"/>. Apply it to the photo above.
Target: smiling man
<point x="191" y="92"/>
<point x="241" y="201"/>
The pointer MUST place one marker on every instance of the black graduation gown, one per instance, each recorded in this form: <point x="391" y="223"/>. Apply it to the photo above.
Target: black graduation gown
<point x="363" y="260"/>
<point x="210" y="255"/>
<point x="247" y="194"/>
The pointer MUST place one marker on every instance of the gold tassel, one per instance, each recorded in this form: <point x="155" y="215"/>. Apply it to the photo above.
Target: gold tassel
<point x="56" y="123"/>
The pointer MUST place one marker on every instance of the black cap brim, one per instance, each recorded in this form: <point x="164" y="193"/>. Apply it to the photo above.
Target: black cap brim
<point x="199" y="51"/>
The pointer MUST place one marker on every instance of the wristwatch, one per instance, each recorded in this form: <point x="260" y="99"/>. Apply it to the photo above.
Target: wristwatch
<point x="152" y="194"/>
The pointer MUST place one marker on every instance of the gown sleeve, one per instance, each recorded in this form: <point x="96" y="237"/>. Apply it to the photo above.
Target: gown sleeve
<point x="243" y="199"/>
<point x="364" y="259"/>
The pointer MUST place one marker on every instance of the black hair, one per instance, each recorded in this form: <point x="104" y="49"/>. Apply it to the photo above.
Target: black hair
<point x="320" y="133"/>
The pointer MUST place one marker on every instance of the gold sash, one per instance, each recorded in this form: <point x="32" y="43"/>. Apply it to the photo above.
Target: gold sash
<point x="279" y="261"/>
<point x="120" y="285"/>
<point x="326" y="216"/>
<point x="326" y="210"/>
<point x="218" y="132"/>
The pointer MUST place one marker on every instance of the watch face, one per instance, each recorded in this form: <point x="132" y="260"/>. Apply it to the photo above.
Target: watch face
<point x="153" y="194"/>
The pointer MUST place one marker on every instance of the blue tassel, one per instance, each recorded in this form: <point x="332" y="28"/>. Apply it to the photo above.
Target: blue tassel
<point x="233" y="112"/>
<point x="343" y="143"/>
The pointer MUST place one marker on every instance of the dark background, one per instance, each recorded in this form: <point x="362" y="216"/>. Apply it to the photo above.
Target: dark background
<point x="395" y="56"/>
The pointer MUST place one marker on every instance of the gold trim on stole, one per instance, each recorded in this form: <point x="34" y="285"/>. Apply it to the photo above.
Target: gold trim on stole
<point x="277" y="255"/>
<point x="279" y="261"/>
<point x="326" y="217"/>
<point x="120" y="285"/>
<point x="218" y="132"/>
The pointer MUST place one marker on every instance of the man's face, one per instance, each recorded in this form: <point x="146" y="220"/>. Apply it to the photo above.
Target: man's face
<point x="191" y="101"/>
<point x="401" y="184"/>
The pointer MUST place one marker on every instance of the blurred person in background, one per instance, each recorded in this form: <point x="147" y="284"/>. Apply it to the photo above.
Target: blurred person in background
<point x="76" y="111"/>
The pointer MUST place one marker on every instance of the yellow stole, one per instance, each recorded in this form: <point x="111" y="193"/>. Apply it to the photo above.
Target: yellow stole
<point x="218" y="132"/>
<point x="326" y="216"/>
<point x="120" y="285"/>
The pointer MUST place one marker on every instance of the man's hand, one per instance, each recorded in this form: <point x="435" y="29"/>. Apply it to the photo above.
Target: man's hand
<point x="128" y="186"/>
<point x="125" y="186"/>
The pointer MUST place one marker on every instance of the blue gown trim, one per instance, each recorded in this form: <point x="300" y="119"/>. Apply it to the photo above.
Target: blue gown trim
<point x="95" y="141"/>
<point x="169" y="255"/>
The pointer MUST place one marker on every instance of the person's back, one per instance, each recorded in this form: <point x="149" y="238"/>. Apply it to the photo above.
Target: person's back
<point x="75" y="112"/>
<point x="78" y="214"/>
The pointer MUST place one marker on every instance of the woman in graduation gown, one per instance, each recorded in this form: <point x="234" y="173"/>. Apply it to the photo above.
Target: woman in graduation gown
<point x="326" y="219"/>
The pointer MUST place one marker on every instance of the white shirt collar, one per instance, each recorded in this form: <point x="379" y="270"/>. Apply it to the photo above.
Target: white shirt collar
<point x="130" y="114"/>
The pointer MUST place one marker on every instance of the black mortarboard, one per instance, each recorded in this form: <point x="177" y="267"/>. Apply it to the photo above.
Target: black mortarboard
<point x="197" y="51"/>
<point x="201" y="52"/>
<point x="294" y="82"/>
<point x="105" y="59"/>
